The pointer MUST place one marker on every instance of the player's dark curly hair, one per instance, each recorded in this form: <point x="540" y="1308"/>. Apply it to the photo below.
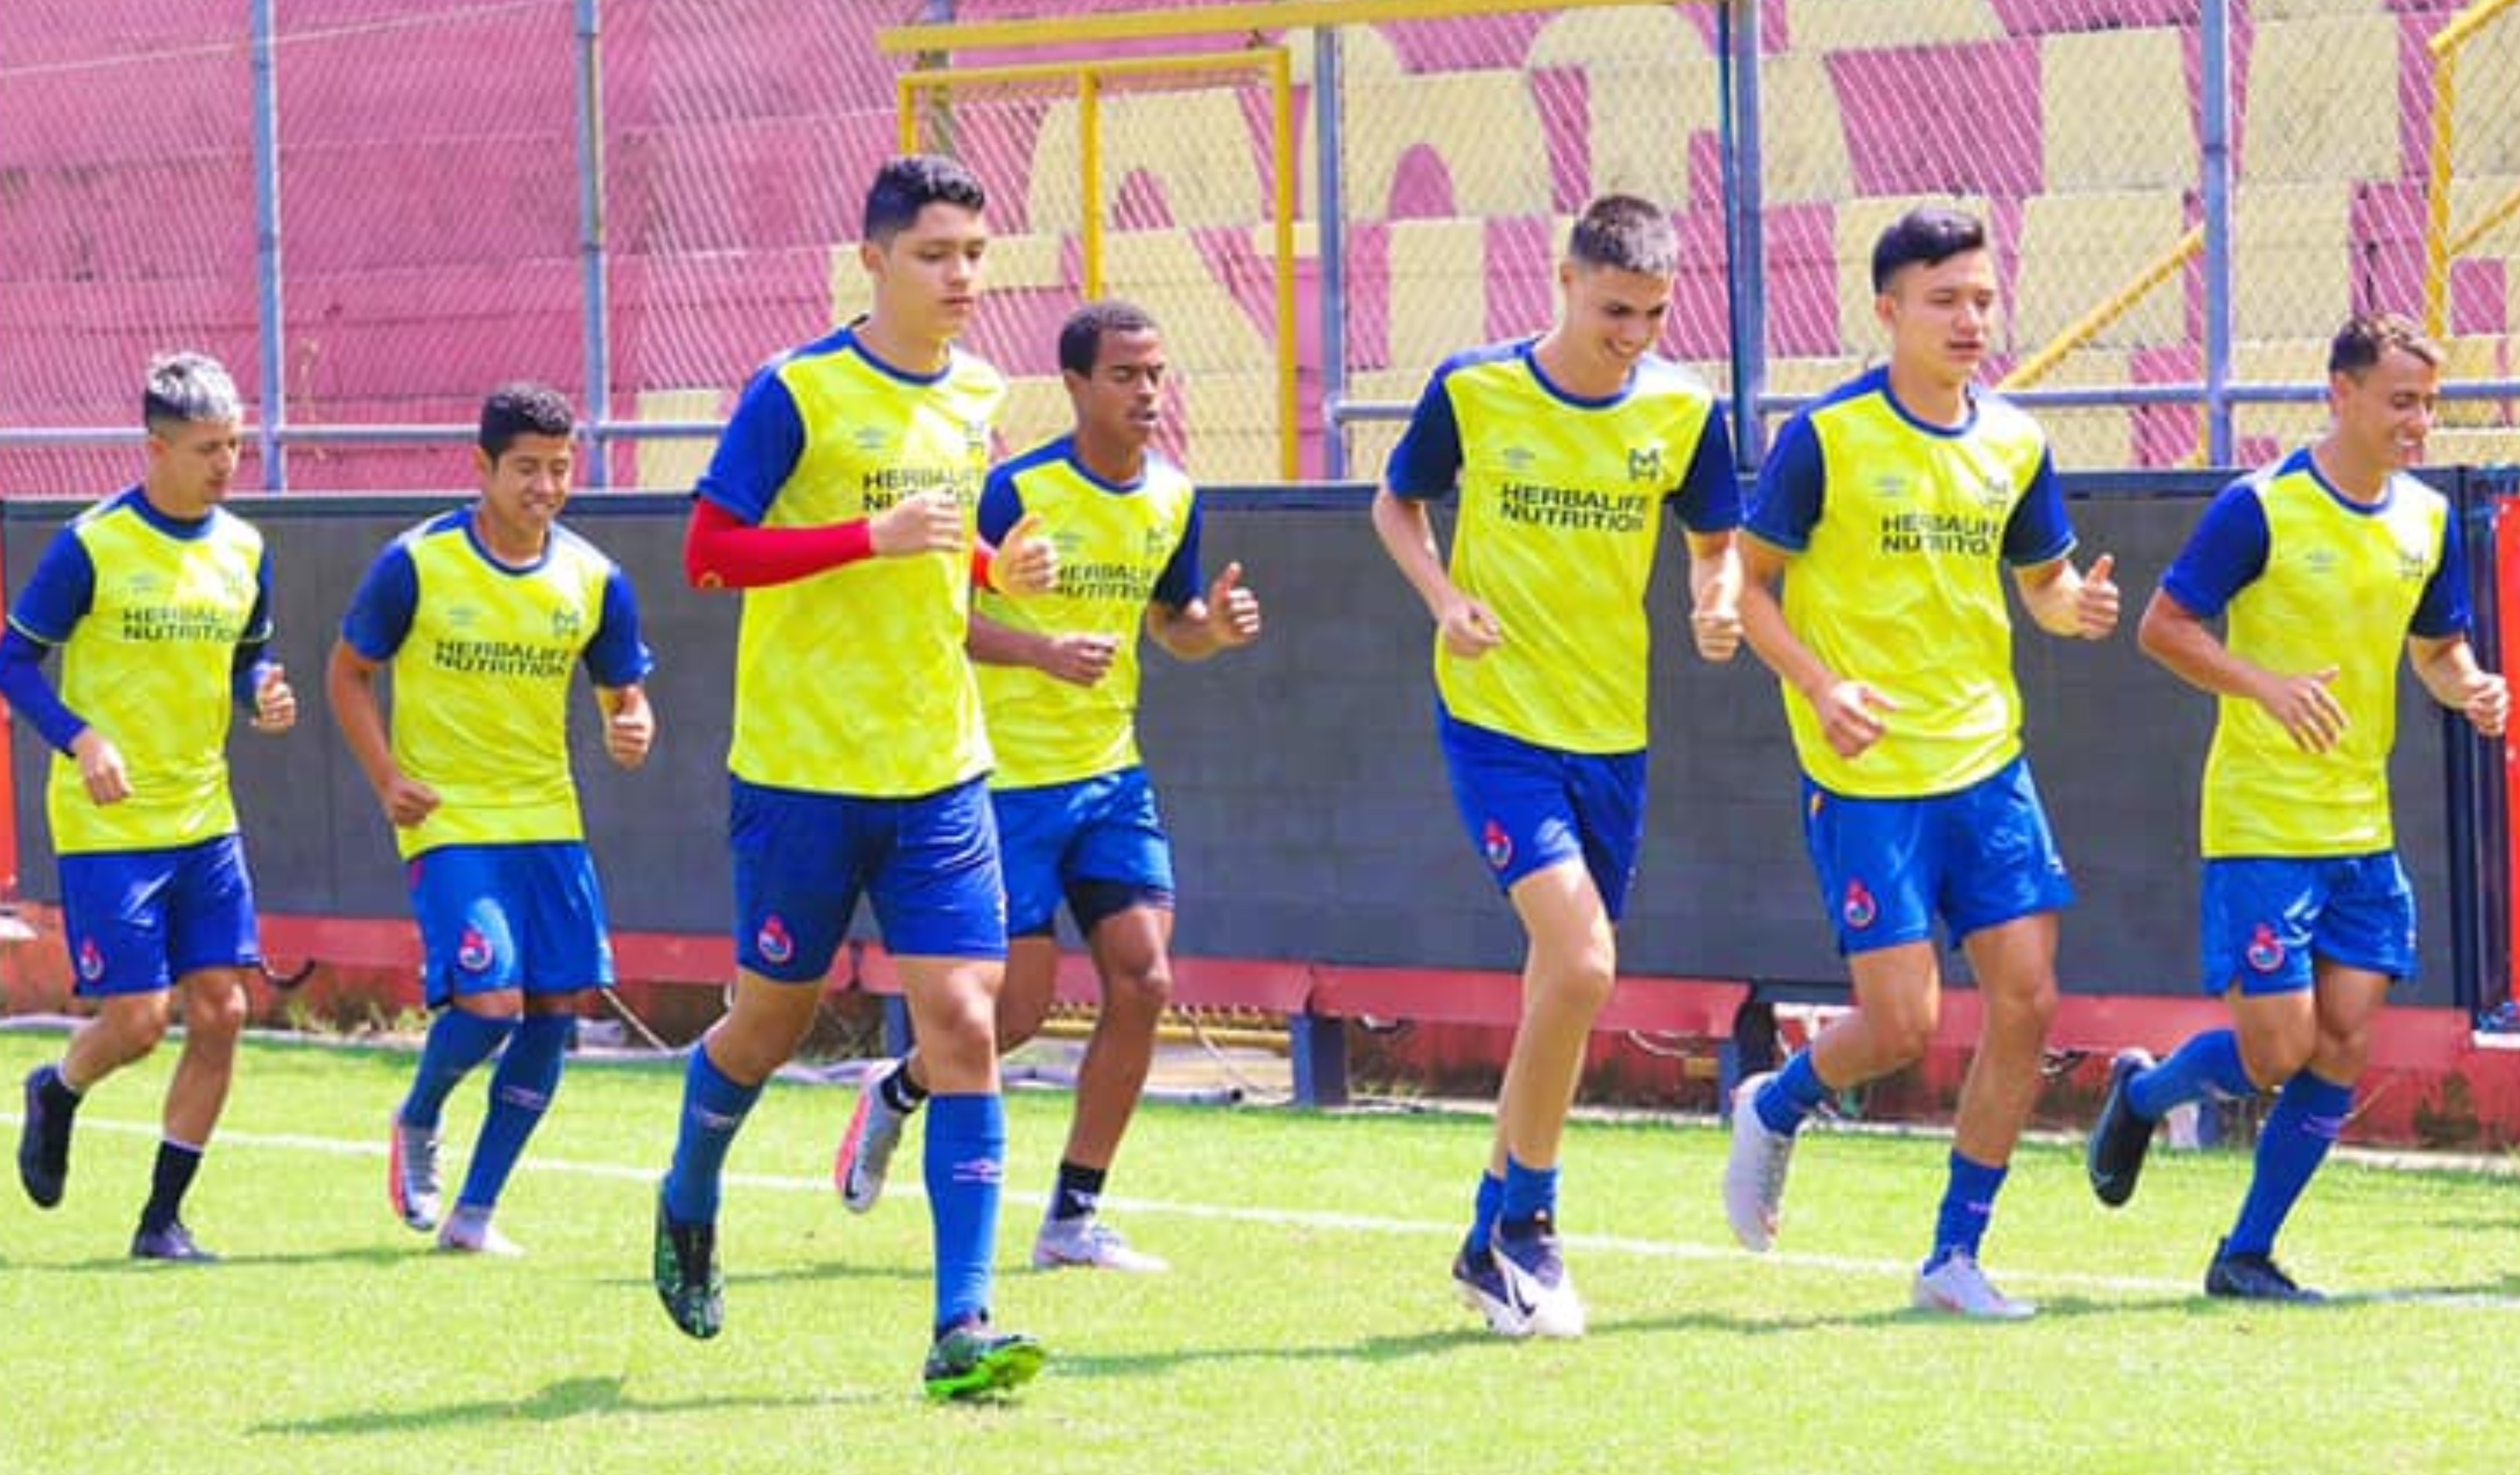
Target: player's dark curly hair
<point x="522" y="409"/>
<point x="906" y="185"/>
<point x="1080" y="338"/>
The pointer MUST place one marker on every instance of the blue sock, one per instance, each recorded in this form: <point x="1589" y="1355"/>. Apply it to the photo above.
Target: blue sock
<point x="521" y="1092"/>
<point x="1794" y="1094"/>
<point x="966" y="1159"/>
<point x="1969" y="1202"/>
<point x="2309" y="1115"/>
<point x="714" y="1111"/>
<point x="1529" y="1192"/>
<point x="1483" y="1215"/>
<point x="2208" y="1065"/>
<point x="456" y="1043"/>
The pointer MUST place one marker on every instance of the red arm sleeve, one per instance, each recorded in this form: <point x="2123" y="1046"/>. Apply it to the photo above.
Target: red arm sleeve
<point x="719" y="552"/>
<point x="983" y="559"/>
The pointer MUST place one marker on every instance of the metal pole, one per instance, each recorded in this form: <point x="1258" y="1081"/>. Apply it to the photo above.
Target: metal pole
<point x="1738" y="35"/>
<point x="1330" y="244"/>
<point x="2216" y="165"/>
<point x="266" y="247"/>
<point x="590" y="238"/>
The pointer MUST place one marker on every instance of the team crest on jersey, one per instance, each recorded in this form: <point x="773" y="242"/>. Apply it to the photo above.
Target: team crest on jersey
<point x="975" y="437"/>
<point x="1859" y="910"/>
<point x="2266" y="951"/>
<point x="2412" y="565"/>
<point x="1497" y="846"/>
<point x="472" y="952"/>
<point x="1996" y="490"/>
<point x="91" y="960"/>
<point x="567" y="624"/>
<point x="774" y="943"/>
<point x="1644" y="464"/>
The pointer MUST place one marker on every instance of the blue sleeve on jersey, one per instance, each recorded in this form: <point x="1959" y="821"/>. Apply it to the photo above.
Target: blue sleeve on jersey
<point x="259" y="628"/>
<point x="1182" y="580"/>
<point x="58" y="596"/>
<point x="1785" y="506"/>
<point x="380" y="611"/>
<point x="1709" y="498"/>
<point x="1001" y="505"/>
<point x="617" y="655"/>
<point x="2226" y="552"/>
<point x="246" y="670"/>
<point x="756" y="451"/>
<point x="30" y="695"/>
<point x="2443" y="610"/>
<point x="1427" y="461"/>
<point x="2039" y="531"/>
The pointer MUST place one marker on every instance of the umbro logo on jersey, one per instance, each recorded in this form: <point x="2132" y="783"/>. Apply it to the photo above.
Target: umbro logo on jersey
<point x="1517" y="458"/>
<point x="871" y="438"/>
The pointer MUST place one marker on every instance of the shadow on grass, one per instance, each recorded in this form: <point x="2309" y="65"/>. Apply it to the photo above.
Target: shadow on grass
<point x="377" y="1255"/>
<point x="571" y="1397"/>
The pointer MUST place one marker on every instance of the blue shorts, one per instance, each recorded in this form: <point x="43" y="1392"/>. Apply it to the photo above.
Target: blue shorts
<point x="138" y="920"/>
<point x="1057" y="840"/>
<point x="801" y="860"/>
<point x="1529" y="808"/>
<point x="2267" y="919"/>
<point x="509" y="916"/>
<point x="1979" y="856"/>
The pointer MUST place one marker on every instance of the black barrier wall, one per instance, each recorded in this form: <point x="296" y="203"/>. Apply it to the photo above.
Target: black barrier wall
<point x="1299" y="777"/>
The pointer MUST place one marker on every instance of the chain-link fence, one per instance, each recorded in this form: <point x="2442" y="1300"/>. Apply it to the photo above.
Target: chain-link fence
<point x="373" y="213"/>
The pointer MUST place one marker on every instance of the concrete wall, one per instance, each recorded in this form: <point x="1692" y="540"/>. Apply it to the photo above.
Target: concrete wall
<point x="1300" y="777"/>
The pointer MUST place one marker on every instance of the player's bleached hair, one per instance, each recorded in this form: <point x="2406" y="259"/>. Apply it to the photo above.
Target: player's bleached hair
<point x="187" y="388"/>
<point x="2367" y="337"/>
<point x="1081" y="336"/>
<point x="906" y="185"/>
<point x="1927" y="236"/>
<point x="522" y="408"/>
<point x="1626" y="232"/>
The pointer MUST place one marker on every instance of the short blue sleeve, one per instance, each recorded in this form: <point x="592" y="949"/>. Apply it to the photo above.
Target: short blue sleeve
<point x="60" y="593"/>
<point x="2227" y="551"/>
<point x="1001" y="505"/>
<point x="2443" y="610"/>
<point x="1427" y="461"/>
<point x="382" y="609"/>
<point x="2039" y="531"/>
<point x="1182" y="580"/>
<point x="756" y="451"/>
<point x="1786" y="505"/>
<point x="258" y="627"/>
<point x="1710" y="494"/>
<point x="617" y="655"/>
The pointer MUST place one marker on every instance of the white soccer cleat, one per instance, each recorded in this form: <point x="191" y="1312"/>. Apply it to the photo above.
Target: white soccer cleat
<point x="1754" y="1174"/>
<point x="1958" y="1287"/>
<point x="865" y="1149"/>
<point x="1532" y="1271"/>
<point x="470" y="1231"/>
<point x="410" y="1177"/>
<point x="1087" y="1243"/>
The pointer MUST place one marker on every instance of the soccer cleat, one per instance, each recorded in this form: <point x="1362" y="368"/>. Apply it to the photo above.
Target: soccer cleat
<point x="470" y="1231"/>
<point x="411" y="1175"/>
<point x="2253" y="1275"/>
<point x="866" y="1148"/>
<point x="1533" y="1269"/>
<point x="2114" y="1156"/>
<point x="1959" y="1288"/>
<point x="1087" y="1242"/>
<point x="687" y="1274"/>
<point x="1754" y="1174"/>
<point x="170" y="1242"/>
<point x="973" y="1361"/>
<point x="1482" y="1289"/>
<point x="43" y="1146"/>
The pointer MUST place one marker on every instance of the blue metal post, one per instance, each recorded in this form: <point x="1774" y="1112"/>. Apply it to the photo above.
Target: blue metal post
<point x="590" y="238"/>
<point x="266" y="245"/>
<point x="1329" y="246"/>
<point x="1744" y="200"/>
<point x="2216" y="133"/>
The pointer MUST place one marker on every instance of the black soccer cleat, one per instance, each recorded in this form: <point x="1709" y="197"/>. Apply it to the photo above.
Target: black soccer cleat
<point x="687" y="1274"/>
<point x="2249" y="1275"/>
<point x="2114" y="1156"/>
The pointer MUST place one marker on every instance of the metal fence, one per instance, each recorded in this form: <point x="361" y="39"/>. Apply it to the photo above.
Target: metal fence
<point x="373" y="213"/>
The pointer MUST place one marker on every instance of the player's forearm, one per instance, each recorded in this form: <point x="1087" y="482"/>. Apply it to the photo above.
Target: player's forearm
<point x="720" y="552"/>
<point x="2448" y="670"/>
<point x="1408" y="535"/>
<point x="1186" y="632"/>
<point x="2053" y="603"/>
<point x="993" y="644"/>
<point x="1777" y="647"/>
<point x="352" y="692"/>
<point x="2188" y="650"/>
<point x="31" y="697"/>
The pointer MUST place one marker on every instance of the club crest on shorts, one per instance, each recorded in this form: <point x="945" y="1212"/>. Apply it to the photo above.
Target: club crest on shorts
<point x="1497" y="846"/>
<point x="2266" y="951"/>
<point x="91" y="960"/>
<point x="774" y="943"/>
<point x="1859" y="908"/>
<point x="472" y="952"/>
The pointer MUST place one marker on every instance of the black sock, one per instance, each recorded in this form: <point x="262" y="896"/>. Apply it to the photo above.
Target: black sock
<point x="176" y="1164"/>
<point x="1079" y="1189"/>
<point x="59" y="1098"/>
<point x="900" y="1093"/>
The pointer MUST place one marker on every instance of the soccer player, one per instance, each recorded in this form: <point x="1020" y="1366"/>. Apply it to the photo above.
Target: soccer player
<point x="840" y="500"/>
<point x="1076" y="817"/>
<point x="1564" y="450"/>
<point x="1895" y="501"/>
<point x="2320" y="568"/>
<point x="159" y="601"/>
<point x="481" y="614"/>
